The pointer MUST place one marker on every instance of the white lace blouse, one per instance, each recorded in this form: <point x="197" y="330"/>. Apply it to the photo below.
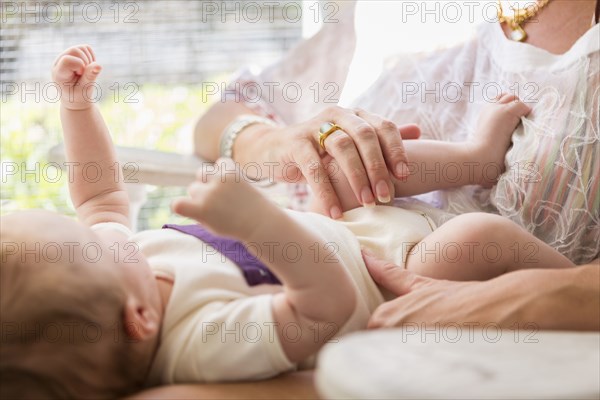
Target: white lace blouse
<point x="551" y="185"/>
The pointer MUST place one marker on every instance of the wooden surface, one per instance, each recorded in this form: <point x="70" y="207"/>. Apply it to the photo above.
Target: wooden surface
<point x="147" y="166"/>
<point x="297" y="385"/>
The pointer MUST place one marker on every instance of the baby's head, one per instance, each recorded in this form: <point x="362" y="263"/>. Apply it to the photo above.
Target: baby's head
<point x="64" y="312"/>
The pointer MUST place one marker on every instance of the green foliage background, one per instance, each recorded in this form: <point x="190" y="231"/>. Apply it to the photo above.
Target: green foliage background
<point x="162" y="119"/>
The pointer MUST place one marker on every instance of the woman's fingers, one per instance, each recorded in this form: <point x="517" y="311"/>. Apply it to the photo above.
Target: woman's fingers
<point x="341" y="147"/>
<point x="367" y="149"/>
<point x="358" y="153"/>
<point x="390" y="141"/>
<point x="364" y="133"/>
<point x="379" y="151"/>
<point x="388" y="275"/>
<point x="311" y="166"/>
<point x="409" y="131"/>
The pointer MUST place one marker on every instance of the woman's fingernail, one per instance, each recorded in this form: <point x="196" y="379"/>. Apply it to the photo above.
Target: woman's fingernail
<point x="366" y="197"/>
<point x="402" y="170"/>
<point x="383" y="192"/>
<point x="336" y="213"/>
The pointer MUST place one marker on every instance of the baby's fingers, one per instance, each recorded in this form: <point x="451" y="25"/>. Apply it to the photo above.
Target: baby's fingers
<point x="66" y="67"/>
<point x="87" y="50"/>
<point x="90" y="73"/>
<point x="78" y="51"/>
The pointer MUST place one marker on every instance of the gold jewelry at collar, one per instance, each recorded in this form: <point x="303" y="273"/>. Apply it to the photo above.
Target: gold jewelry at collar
<point x="520" y="17"/>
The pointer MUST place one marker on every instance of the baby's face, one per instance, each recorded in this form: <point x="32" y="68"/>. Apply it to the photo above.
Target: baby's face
<point x="48" y="239"/>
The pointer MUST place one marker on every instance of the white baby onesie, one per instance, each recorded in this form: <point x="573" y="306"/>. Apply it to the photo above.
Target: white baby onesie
<point x="217" y="328"/>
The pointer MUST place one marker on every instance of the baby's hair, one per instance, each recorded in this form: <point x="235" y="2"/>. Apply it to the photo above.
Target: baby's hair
<point x="61" y="339"/>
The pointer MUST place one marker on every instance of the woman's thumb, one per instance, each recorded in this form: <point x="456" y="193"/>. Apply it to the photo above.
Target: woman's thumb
<point x="388" y="275"/>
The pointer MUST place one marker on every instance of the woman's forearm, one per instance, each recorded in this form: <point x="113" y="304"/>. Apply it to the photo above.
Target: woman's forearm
<point x="573" y="304"/>
<point x="547" y="299"/>
<point x="559" y="299"/>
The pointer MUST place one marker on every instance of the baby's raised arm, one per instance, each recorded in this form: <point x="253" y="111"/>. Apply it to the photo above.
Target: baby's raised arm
<point x="95" y="179"/>
<point x="318" y="293"/>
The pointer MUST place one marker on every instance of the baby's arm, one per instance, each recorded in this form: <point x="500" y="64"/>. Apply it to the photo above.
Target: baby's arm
<point x="479" y="246"/>
<point x="318" y="293"/>
<point x="95" y="179"/>
<point x="438" y="165"/>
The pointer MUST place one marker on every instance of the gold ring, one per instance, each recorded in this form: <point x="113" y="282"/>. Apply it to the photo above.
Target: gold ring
<point x="327" y="129"/>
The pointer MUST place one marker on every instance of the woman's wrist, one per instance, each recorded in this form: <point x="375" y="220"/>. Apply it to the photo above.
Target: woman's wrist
<point x="257" y="144"/>
<point x="232" y="131"/>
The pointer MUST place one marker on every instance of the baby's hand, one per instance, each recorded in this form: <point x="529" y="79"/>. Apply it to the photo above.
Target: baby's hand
<point x="224" y="202"/>
<point x="494" y="131"/>
<point x="75" y="71"/>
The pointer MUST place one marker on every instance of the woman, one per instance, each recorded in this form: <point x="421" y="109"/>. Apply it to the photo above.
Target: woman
<point x="550" y="186"/>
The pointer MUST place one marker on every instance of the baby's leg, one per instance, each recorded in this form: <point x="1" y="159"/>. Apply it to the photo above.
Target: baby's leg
<point x="481" y="246"/>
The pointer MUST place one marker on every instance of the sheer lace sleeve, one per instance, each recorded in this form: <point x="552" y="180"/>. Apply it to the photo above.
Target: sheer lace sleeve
<point x="309" y="78"/>
<point x="551" y="185"/>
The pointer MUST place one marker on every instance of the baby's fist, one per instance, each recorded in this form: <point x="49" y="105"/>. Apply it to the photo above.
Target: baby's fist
<point x="75" y="71"/>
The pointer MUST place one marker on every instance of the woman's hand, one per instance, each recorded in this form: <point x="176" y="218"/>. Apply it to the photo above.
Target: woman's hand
<point x="564" y="299"/>
<point x="421" y="300"/>
<point x="368" y="151"/>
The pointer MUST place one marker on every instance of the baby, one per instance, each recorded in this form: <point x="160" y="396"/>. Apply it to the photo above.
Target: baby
<point x="90" y="309"/>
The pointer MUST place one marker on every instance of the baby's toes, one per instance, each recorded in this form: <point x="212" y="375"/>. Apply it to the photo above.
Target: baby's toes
<point x="229" y="170"/>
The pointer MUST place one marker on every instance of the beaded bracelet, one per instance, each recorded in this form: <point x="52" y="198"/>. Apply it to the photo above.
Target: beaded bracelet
<point x="233" y="130"/>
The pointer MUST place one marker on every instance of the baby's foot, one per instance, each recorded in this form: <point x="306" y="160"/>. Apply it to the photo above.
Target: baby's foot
<point x="492" y="140"/>
<point x="224" y="201"/>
